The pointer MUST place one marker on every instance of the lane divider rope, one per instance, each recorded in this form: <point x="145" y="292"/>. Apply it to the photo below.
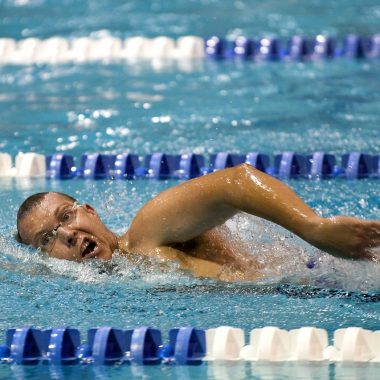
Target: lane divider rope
<point x="318" y="165"/>
<point x="55" y="50"/>
<point x="187" y="345"/>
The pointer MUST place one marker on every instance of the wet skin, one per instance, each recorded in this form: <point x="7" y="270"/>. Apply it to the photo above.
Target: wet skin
<point x="209" y="253"/>
<point x="181" y="224"/>
<point x="77" y="229"/>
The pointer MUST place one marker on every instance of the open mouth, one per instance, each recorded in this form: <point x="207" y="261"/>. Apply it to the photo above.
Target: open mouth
<point x="89" y="248"/>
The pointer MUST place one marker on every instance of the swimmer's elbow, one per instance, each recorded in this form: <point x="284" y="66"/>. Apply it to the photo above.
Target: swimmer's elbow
<point x="247" y="171"/>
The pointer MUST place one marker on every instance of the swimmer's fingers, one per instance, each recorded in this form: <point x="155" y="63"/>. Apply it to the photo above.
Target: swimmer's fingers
<point x="370" y="227"/>
<point x="374" y="231"/>
<point x="370" y="235"/>
<point x="372" y="248"/>
<point x="351" y="238"/>
<point x="369" y="255"/>
<point x="361" y="254"/>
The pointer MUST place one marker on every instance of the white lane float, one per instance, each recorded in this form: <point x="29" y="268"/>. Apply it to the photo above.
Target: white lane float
<point x="354" y="344"/>
<point x="30" y="165"/>
<point x="5" y="165"/>
<point x="224" y="343"/>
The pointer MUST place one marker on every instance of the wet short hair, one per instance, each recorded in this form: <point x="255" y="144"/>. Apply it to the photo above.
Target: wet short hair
<point x="30" y="203"/>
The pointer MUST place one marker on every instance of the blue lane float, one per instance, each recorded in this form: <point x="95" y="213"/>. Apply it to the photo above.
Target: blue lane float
<point x="145" y="346"/>
<point x="107" y="344"/>
<point x="357" y="165"/>
<point x="161" y="165"/>
<point x="96" y="165"/>
<point x="375" y="46"/>
<point x="26" y="345"/>
<point x="321" y="165"/>
<point x="270" y="49"/>
<point x="164" y="166"/>
<point x="289" y="165"/>
<point x="191" y="165"/>
<point x="125" y="166"/>
<point x="187" y="346"/>
<point x="324" y="47"/>
<point x="62" y="345"/>
<point x="259" y="161"/>
<point x="376" y="166"/>
<point x="244" y="48"/>
<point x="60" y="166"/>
<point x="225" y="160"/>
<point x="216" y="47"/>
<point x="299" y="48"/>
<point x="320" y="47"/>
<point x="355" y="46"/>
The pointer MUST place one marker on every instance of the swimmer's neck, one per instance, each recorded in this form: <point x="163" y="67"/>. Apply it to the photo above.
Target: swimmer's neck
<point x="123" y="245"/>
<point x="126" y="248"/>
<point x="131" y="251"/>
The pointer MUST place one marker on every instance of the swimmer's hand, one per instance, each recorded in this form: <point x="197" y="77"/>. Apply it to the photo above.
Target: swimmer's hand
<point x="349" y="238"/>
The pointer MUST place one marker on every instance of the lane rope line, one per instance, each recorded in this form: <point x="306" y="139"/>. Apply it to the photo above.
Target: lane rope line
<point x="318" y="165"/>
<point x="60" y="50"/>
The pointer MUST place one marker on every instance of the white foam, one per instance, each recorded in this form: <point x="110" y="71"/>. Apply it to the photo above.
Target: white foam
<point x="142" y="272"/>
<point x="288" y="256"/>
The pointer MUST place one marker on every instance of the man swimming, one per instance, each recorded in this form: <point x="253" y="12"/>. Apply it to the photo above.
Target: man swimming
<point x="181" y="224"/>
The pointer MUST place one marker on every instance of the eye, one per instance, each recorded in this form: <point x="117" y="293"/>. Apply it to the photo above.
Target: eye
<point x="46" y="239"/>
<point x="67" y="216"/>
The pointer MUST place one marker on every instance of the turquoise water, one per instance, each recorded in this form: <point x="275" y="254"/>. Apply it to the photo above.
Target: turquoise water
<point x="43" y="18"/>
<point x="217" y="371"/>
<point x="204" y="107"/>
<point x="177" y="107"/>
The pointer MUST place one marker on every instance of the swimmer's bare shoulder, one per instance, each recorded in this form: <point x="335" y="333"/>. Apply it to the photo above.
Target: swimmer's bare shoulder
<point x="179" y="224"/>
<point x="210" y="254"/>
<point x="186" y="212"/>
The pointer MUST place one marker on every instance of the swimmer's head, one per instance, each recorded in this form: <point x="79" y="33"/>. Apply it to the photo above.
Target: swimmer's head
<point x="56" y="224"/>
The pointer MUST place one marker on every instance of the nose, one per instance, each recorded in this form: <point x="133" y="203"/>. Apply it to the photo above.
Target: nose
<point x="67" y="235"/>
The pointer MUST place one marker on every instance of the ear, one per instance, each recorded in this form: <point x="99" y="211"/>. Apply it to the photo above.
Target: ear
<point x="89" y="209"/>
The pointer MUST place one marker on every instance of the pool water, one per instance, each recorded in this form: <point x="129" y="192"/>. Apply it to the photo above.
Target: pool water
<point x="192" y="106"/>
<point x="44" y="18"/>
<point x="206" y="107"/>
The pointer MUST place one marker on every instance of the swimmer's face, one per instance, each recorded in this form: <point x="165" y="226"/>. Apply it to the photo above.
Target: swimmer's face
<point x="66" y="231"/>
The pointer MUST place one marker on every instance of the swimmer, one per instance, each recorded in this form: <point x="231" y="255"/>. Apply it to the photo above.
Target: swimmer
<point x="181" y="224"/>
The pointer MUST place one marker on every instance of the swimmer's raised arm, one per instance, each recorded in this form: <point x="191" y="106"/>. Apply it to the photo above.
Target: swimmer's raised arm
<point x="183" y="212"/>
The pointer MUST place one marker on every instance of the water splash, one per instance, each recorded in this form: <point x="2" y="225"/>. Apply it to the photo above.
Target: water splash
<point x="289" y="256"/>
<point x="283" y="255"/>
